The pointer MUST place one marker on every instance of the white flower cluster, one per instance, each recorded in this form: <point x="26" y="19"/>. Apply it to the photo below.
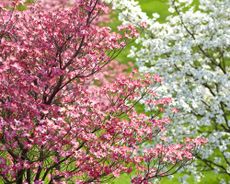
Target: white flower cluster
<point x="191" y="51"/>
<point x="129" y="11"/>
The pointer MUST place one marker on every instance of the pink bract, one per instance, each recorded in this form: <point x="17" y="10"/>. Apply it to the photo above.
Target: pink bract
<point x="57" y="123"/>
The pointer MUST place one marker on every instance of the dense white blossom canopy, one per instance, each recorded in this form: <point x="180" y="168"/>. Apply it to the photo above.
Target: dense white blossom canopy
<point x="191" y="51"/>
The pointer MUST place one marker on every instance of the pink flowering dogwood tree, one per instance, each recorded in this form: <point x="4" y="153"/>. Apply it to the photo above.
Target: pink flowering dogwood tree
<point x="57" y="124"/>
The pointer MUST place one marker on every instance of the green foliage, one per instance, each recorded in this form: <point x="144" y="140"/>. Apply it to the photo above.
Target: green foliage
<point x="155" y="6"/>
<point x="29" y="1"/>
<point x="21" y="7"/>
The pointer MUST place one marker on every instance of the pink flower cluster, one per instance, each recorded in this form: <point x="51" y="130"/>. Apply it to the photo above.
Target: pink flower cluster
<point x="56" y="123"/>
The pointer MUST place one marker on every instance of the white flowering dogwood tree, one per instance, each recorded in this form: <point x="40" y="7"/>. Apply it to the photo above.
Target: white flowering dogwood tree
<point x="191" y="51"/>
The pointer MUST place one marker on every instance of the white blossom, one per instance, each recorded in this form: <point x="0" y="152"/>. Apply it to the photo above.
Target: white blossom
<point x="191" y="51"/>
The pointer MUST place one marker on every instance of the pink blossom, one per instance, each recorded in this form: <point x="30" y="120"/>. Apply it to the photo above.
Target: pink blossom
<point x="64" y="113"/>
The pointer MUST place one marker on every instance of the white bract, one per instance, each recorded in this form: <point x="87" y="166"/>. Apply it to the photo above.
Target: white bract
<point x="191" y="51"/>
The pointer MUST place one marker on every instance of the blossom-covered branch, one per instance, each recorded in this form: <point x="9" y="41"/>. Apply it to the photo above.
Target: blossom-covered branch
<point x="191" y="52"/>
<point x="58" y="123"/>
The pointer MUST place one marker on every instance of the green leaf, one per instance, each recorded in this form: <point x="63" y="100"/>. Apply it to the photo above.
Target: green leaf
<point x="21" y="7"/>
<point x="29" y="1"/>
